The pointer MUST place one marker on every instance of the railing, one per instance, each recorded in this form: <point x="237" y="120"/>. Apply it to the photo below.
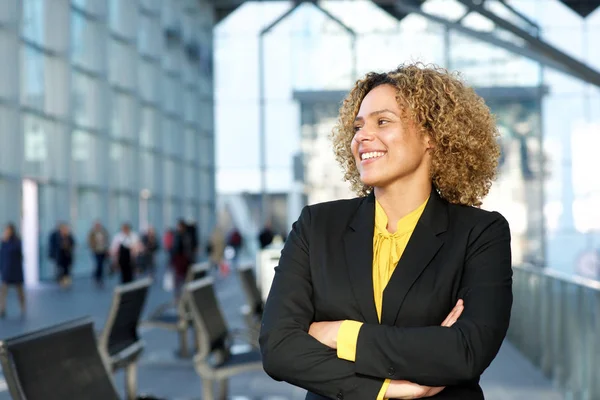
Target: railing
<point x="556" y="324"/>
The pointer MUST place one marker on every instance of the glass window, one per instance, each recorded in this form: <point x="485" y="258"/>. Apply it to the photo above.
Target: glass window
<point x="206" y="151"/>
<point x="34" y="23"/>
<point x="206" y="116"/>
<point x="57" y="101"/>
<point x="122" y="209"/>
<point x="205" y="179"/>
<point x="122" y="65"/>
<point x="9" y="11"/>
<point x="94" y="7"/>
<point x="171" y="178"/>
<point x="124" y="116"/>
<point x="149" y="127"/>
<point x="148" y="81"/>
<point x="86" y="100"/>
<point x="172" y="58"/>
<point x="10" y="146"/>
<point x="152" y="5"/>
<point x="172" y="137"/>
<point x="150" y="39"/>
<point x="190" y="145"/>
<point x="121" y="165"/>
<point x="9" y="69"/>
<point x="45" y="148"/>
<point x="87" y="152"/>
<point x="148" y="168"/>
<point x="189" y="182"/>
<point x="191" y="106"/>
<point x="32" y="77"/>
<point x="168" y="94"/>
<point x="86" y="43"/>
<point x="122" y="17"/>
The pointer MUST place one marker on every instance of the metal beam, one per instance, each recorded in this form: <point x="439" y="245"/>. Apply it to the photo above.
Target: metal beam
<point x="584" y="72"/>
<point x="527" y="51"/>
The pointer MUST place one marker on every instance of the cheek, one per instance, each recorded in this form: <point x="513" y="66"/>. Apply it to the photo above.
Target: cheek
<point x="354" y="147"/>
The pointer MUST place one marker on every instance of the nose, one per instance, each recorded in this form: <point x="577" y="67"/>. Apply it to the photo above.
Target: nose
<point x="364" y="135"/>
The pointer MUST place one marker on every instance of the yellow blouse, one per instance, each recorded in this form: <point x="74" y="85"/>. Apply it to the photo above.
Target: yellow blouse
<point x="387" y="250"/>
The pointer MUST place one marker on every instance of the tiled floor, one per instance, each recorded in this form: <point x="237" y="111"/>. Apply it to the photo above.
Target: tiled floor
<point x="510" y="377"/>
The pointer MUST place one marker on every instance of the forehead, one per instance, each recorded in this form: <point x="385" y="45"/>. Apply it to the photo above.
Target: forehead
<point x="380" y="98"/>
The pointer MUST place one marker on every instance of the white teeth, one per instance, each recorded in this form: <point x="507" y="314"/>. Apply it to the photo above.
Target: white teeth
<point x="372" y="154"/>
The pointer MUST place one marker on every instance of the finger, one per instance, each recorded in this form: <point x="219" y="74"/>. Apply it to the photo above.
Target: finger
<point x="454" y="314"/>
<point x="450" y="316"/>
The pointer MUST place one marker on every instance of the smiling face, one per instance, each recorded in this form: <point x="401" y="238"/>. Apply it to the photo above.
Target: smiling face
<point x="387" y="148"/>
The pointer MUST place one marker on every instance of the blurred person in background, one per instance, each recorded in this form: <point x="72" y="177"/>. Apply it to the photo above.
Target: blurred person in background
<point x="98" y="242"/>
<point x="147" y="257"/>
<point x="235" y="242"/>
<point x="265" y="237"/>
<point x="11" y="268"/>
<point x="182" y="255"/>
<point x="216" y="247"/>
<point x="124" y="249"/>
<point x="420" y="149"/>
<point x="53" y="247"/>
<point x="65" y="254"/>
<point x="192" y="228"/>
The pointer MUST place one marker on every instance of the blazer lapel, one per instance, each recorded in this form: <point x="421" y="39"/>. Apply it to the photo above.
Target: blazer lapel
<point x="423" y="245"/>
<point x="358" y="244"/>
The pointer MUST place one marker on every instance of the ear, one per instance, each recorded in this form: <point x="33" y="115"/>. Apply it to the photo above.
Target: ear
<point x="428" y="142"/>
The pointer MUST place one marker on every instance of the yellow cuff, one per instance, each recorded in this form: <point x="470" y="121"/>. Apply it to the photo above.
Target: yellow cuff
<point x="346" y="340"/>
<point x="383" y="389"/>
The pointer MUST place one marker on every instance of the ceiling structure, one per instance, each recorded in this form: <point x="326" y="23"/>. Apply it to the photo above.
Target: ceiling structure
<point x="527" y="43"/>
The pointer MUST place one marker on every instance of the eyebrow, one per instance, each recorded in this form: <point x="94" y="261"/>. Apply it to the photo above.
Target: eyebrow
<point x="378" y="112"/>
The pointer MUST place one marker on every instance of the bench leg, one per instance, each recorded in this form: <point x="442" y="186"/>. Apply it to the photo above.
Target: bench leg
<point x="208" y="391"/>
<point x="183" y="345"/>
<point x="223" y="389"/>
<point x="131" y="381"/>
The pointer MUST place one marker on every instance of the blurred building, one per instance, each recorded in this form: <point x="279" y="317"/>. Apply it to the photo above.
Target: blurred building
<point x="106" y="113"/>
<point x="547" y="185"/>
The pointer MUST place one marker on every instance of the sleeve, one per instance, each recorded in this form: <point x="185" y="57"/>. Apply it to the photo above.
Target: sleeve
<point x="289" y="353"/>
<point x="440" y="356"/>
<point x="346" y="340"/>
<point x="384" y="388"/>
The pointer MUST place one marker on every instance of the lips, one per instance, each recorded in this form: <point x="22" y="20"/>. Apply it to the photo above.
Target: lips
<point x="371" y="155"/>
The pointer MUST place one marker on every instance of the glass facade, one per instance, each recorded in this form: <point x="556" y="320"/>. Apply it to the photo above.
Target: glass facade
<point x="101" y="100"/>
<point x="549" y="122"/>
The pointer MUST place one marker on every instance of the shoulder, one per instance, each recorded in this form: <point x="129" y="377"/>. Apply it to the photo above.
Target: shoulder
<point x="476" y="220"/>
<point x="334" y="208"/>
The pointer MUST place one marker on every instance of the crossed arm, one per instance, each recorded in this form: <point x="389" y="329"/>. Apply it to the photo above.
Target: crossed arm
<point x="290" y="353"/>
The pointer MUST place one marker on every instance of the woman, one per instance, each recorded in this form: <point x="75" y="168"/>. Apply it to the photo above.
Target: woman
<point x="11" y="268"/>
<point x="363" y="285"/>
<point x="65" y="254"/>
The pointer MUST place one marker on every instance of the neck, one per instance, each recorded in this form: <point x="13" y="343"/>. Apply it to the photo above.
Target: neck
<point x="401" y="199"/>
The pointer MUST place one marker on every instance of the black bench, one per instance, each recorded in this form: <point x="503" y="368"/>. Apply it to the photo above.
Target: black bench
<point x="119" y="341"/>
<point x="253" y="309"/>
<point x="58" y="363"/>
<point x="175" y="316"/>
<point x="215" y="362"/>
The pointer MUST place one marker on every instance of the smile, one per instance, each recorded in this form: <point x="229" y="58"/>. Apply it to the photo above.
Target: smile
<point x="371" y="155"/>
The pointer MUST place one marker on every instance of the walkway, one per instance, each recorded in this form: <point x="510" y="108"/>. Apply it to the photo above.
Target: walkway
<point x="510" y="377"/>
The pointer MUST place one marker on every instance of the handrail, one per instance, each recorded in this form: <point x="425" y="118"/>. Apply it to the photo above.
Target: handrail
<point x="574" y="279"/>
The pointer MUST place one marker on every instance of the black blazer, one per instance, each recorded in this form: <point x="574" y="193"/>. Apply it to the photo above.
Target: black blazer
<point x="325" y="274"/>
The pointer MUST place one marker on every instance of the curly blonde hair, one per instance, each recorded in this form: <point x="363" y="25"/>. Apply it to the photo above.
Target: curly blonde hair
<point x="463" y="130"/>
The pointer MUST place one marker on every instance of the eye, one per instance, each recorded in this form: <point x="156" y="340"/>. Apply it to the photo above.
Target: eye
<point x="382" y="122"/>
<point x="357" y="128"/>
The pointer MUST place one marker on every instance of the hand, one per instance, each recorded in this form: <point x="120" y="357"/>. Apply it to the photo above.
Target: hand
<point x="454" y="314"/>
<point x="325" y="332"/>
<point x="409" y="390"/>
